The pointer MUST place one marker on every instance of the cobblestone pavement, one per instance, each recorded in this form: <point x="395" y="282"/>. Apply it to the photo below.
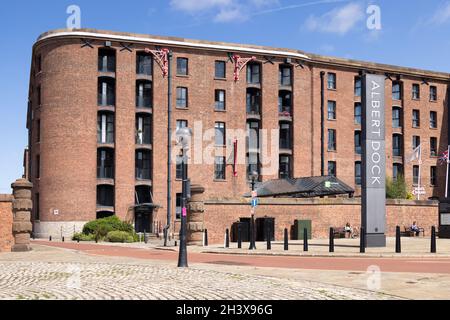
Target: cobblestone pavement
<point x="95" y="279"/>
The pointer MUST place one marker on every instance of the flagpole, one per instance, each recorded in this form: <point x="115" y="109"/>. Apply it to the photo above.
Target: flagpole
<point x="420" y="170"/>
<point x="446" y="175"/>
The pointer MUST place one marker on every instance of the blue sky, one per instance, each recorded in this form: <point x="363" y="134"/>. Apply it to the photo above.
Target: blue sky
<point x="413" y="34"/>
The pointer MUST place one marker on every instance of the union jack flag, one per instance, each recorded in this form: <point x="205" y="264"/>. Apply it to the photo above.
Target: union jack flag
<point x="444" y="158"/>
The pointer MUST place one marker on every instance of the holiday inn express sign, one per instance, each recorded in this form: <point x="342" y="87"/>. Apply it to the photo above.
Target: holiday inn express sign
<point x="374" y="161"/>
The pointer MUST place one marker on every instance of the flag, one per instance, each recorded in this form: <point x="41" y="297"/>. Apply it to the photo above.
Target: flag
<point x="444" y="158"/>
<point x="415" y="155"/>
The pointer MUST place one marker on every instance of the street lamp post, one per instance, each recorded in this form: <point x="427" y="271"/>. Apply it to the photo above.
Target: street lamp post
<point x="253" y="177"/>
<point x="184" y="135"/>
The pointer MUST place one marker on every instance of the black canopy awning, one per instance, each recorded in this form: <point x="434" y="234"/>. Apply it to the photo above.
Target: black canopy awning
<point x="303" y="188"/>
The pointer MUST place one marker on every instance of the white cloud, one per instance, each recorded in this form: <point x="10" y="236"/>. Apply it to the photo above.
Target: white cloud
<point x="442" y="14"/>
<point x="264" y="3"/>
<point x="193" y="6"/>
<point x="229" y="15"/>
<point x="339" y="20"/>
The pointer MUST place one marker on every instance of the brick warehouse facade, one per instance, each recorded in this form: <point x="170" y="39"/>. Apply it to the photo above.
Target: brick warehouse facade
<point x="98" y="117"/>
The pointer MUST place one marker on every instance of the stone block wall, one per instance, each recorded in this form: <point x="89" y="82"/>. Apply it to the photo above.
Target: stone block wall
<point x="6" y="221"/>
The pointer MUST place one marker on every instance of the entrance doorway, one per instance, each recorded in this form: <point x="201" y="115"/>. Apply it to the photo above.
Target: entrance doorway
<point x="143" y="220"/>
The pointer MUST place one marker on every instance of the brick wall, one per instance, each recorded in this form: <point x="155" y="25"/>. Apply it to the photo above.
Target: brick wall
<point x="6" y="220"/>
<point x="324" y="213"/>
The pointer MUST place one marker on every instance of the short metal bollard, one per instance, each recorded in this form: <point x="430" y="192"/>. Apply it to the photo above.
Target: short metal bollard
<point x="362" y="240"/>
<point x="50" y="239"/>
<point x="145" y="237"/>
<point x="398" y="244"/>
<point x="331" y="240"/>
<point x="227" y="238"/>
<point x="305" y="240"/>
<point x="433" y="239"/>
<point x="206" y="237"/>
<point x="176" y="243"/>
<point x="63" y="239"/>
<point x="268" y="238"/>
<point x="286" y="240"/>
<point x="239" y="236"/>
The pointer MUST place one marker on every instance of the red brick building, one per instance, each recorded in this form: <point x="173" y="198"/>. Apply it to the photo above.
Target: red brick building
<point x="98" y="122"/>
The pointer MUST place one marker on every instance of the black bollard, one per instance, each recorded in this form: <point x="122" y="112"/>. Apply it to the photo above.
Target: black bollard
<point x="227" y="238"/>
<point x="239" y="236"/>
<point x="176" y="243"/>
<point x="63" y="239"/>
<point x="78" y="240"/>
<point x="331" y="240"/>
<point x="286" y="240"/>
<point x="362" y="240"/>
<point x="433" y="239"/>
<point x="305" y="240"/>
<point x="50" y="239"/>
<point x="398" y="245"/>
<point x="206" y="237"/>
<point x="269" y="243"/>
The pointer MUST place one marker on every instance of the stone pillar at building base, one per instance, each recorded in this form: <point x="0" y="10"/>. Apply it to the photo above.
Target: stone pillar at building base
<point x="375" y="240"/>
<point x="22" y="206"/>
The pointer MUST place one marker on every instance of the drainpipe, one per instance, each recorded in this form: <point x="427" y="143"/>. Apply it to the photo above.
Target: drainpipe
<point x="322" y="123"/>
<point x="169" y="149"/>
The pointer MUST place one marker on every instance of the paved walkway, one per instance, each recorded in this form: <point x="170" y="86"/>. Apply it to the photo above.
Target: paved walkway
<point x="50" y="273"/>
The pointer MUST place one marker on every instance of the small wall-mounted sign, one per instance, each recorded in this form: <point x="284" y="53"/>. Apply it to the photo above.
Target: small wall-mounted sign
<point x="56" y="212"/>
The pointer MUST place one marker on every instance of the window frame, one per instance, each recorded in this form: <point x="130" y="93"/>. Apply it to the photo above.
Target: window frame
<point x="331" y="81"/>
<point x="333" y="112"/>
<point x="220" y="105"/>
<point x="332" y="143"/>
<point x="220" y="164"/>
<point x="220" y="62"/>
<point x="181" y="99"/>
<point x="180" y="68"/>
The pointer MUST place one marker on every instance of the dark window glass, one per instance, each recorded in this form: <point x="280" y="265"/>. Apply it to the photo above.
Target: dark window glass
<point x="220" y="98"/>
<point x="358" y="86"/>
<point x="219" y="168"/>
<point x="416" y="175"/>
<point x="397" y="145"/>
<point x="285" y="102"/>
<point x="416" y="91"/>
<point x="220" y="133"/>
<point x="332" y="170"/>
<point x="416" y="119"/>
<point x="179" y="168"/>
<point x="433" y="175"/>
<point x="433" y="147"/>
<point x="38" y="166"/>
<point x="253" y="135"/>
<point x="396" y="117"/>
<point x="105" y="196"/>
<point x="331" y="140"/>
<point x="416" y="142"/>
<point x="37" y="206"/>
<point x="285" y="75"/>
<point x="106" y="92"/>
<point x="182" y="66"/>
<point x="358" y="142"/>
<point x="358" y="178"/>
<point x="253" y="101"/>
<point x="39" y="63"/>
<point x="397" y="171"/>
<point x="285" y="167"/>
<point x="433" y="119"/>
<point x="331" y="110"/>
<point x="358" y="113"/>
<point x="143" y="94"/>
<point x="332" y="81"/>
<point x="178" y="206"/>
<point x="143" y="165"/>
<point x="143" y="194"/>
<point x="38" y="130"/>
<point x="254" y="73"/>
<point x="39" y="95"/>
<point x="285" y="136"/>
<point x="396" y="90"/>
<point x="182" y="97"/>
<point x="433" y="93"/>
<point x="253" y="164"/>
<point x="182" y="124"/>
<point x="143" y="63"/>
<point x="220" y="69"/>
<point x="106" y="60"/>
<point x="143" y="129"/>
<point x="105" y="164"/>
<point x="105" y="128"/>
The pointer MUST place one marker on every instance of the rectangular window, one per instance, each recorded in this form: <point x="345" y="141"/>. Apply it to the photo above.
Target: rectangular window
<point x="38" y="130"/>
<point x="433" y="119"/>
<point x="179" y="168"/>
<point x="397" y="145"/>
<point x="397" y="171"/>
<point x="358" y="142"/>
<point x="433" y="147"/>
<point x="182" y="124"/>
<point x="331" y="110"/>
<point x="433" y="175"/>
<point x="37" y="206"/>
<point x="220" y="100"/>
<point x="433" y="93"/>
<point x="219" y="171"/>
<point x="358" y="177"/>
<point x="105" y="164"/>
<point x="143" y="64"/>
<point x="182" y="66"/>
<point x="416" y="175"/>
<point x="182" y="97"/>
<point x="105" y="128"/>
<point x="220" y="70"/>
<point x="416" y="119"/>
<point x="106" y="60"/>
<point x="106" y="92"/>
<point x="285" y="75"/>
<point x="331" y="140"/>
<point x="143" y="94"/>
<point x="143" y="165"/>
<point x="253" y="164"/>
<point x="39" y="64"/>
<point x="220" y="133"/>
<point x="358" y="113"/>
<point x="396" y="117"/>
<point x="178" y="205"/>
<point x="254" y="73"/>
<point x="143" y="129"/>
<point x="39" y="95"/>
<point x="332" y="168"/>
<point x="358" y="86"/>
<point x="415" y="142"/>
<point x="332" y="81"/>
<point x="38" y="167"/>
<point x="285" y="171"/>
<point x="285" y="136"/>
<point x="415" y="91"/>
<point x="396" y="90"/>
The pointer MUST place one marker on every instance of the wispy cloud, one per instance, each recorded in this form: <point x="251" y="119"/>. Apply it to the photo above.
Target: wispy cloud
<point x="442" y="14"/>
<point x="340" y="20"/>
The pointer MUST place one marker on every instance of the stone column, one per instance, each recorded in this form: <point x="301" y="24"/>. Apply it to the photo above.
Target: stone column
<point x="22" y="206"/>
<point x="195" y="217"/>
